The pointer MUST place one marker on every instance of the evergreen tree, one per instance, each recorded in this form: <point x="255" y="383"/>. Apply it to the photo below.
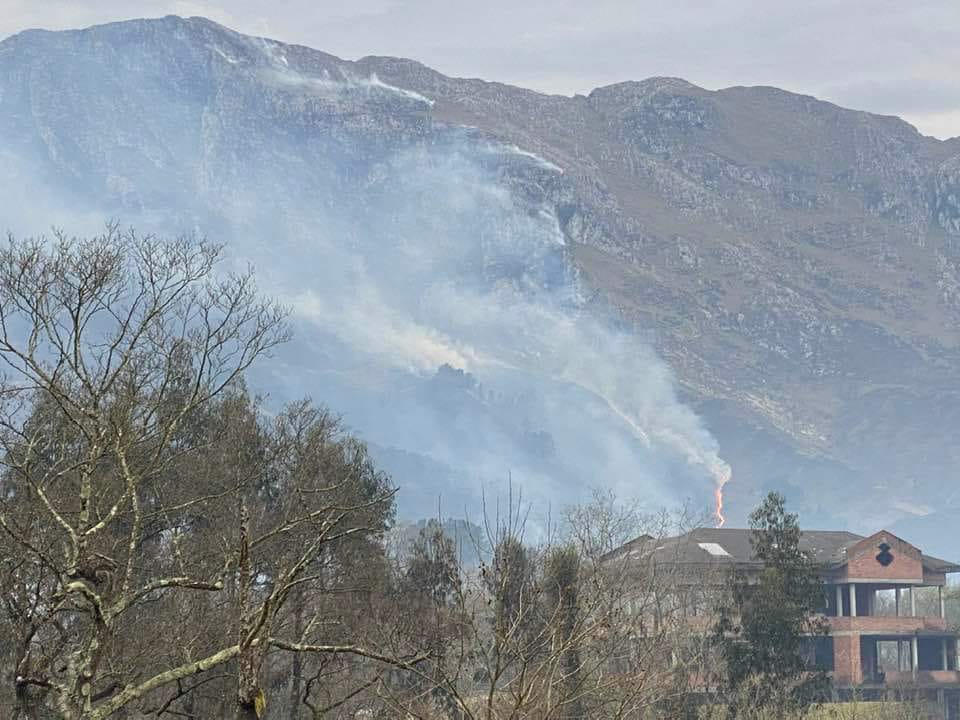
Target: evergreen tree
<point x="511" y="583"/>
<point x="561" y="586"/>
<point x="763" y="634"/>
<point x="433" y="572"/>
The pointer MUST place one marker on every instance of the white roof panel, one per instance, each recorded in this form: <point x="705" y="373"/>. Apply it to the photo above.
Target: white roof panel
<point x="714" y="549"/>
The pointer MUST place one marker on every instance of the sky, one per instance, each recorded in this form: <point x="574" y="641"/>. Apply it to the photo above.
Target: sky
<point x="891" y="57"/>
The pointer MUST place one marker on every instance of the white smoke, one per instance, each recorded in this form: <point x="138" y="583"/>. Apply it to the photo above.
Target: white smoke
<point x="437" y="303"/>
<point x="279" y="71"/>
<point x="533" y="156"/>
<point x="454" y="270"/>
<point x="333" y="87"/>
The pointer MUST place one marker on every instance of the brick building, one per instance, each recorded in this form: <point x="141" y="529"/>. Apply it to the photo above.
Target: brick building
<point x="883" y="601"/>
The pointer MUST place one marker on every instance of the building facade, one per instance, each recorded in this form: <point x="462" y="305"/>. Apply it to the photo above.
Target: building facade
<point x="884" y="604"/>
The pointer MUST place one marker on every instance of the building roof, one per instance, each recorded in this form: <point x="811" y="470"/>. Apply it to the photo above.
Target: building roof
<point x="707" y="546"/>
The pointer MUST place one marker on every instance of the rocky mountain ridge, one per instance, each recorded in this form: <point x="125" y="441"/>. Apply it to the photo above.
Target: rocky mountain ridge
<point x="796" y="263"/>
<point x="797" y="260"/>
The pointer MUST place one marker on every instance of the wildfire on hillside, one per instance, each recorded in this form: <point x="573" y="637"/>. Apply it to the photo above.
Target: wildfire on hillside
<point x="718" y="511"/>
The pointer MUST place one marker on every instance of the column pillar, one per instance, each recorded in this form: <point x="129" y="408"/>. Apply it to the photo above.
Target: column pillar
<point x="943" y="654"/>
<point x="943" y="607"/>
<point x="839" y="589"/>
<point x="853" y="599"/>
<point x="896" y="595"/>
<point x="914" y="656"/>
<point x="913" y="601"/>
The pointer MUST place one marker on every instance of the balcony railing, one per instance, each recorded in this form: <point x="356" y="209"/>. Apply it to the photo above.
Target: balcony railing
<point x="880" y="624"/>
<point x="922" y="677"/>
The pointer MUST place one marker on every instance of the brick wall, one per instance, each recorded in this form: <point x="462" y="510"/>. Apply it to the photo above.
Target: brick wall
<point x="862" y="560"/>
<point x="846" y="659"/>
<point x="882" y="625"/>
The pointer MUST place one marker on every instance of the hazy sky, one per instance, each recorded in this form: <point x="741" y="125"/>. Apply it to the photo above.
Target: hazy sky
<point x="898" y="57"/>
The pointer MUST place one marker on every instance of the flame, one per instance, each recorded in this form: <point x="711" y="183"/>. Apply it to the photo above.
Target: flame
<point x="718" y="513"/>
<point x="722" y="474"/>
<point x="717" y="467"/>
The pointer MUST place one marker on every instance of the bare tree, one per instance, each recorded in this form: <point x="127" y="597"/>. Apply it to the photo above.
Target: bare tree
<point x="557" y="631"/>
<point x="154" y="526"/>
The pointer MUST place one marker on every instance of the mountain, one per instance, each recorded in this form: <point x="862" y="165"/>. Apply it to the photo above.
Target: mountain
<point x="629" y="288"/>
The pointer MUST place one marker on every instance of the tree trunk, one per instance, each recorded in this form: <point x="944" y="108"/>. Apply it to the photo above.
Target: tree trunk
<point x="250" y="658"/>
<point x="297" y="663"/>
<point x="27" y="705"/>
<point x="249" y="692"/>
<point x="246" y="712"/>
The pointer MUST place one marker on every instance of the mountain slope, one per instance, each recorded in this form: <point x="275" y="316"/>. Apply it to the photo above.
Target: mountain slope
<point x="797" y="260"/>
<point x="795" y="263"/>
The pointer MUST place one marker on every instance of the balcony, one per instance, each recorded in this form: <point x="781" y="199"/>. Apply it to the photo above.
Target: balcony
<point x="924" y="678"/>
<point x="922" y="606"/>
<point x="887" y="658"/>
<point x="887" y="625"/>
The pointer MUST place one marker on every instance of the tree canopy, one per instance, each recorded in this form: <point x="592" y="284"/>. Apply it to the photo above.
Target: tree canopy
<point x="764" y="631"/>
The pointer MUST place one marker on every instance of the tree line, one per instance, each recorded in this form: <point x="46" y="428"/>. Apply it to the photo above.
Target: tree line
<point x="169" y="548"/>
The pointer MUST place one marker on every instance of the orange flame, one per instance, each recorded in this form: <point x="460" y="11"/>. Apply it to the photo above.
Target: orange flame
<point x="718" y="512"/>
